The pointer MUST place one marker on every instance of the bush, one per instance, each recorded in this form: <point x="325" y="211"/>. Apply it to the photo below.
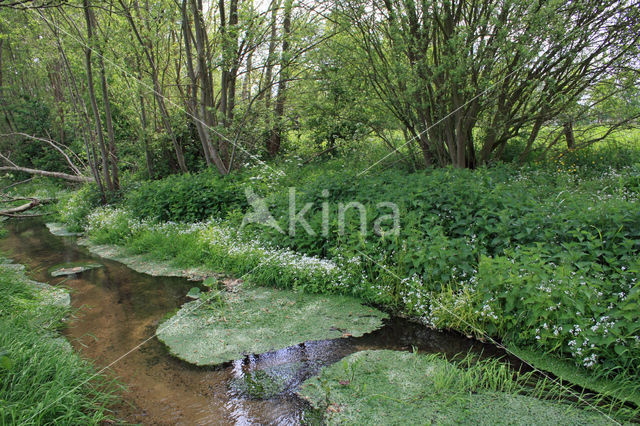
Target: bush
<point x="459" y="229"/>
<point x="186" y="198"/>
<point x="74" y="207"/>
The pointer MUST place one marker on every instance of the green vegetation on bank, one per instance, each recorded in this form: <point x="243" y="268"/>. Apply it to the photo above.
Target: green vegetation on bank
<point x="42" y="381"/>
<point x="382" y="387"/>
<point x="501" y="250"/>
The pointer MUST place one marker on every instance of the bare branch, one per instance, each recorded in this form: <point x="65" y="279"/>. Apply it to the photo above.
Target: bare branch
<point x="51" y="143"/>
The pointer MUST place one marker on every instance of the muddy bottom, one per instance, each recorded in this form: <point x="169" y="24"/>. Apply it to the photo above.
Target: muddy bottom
<point x="116" y="314"/>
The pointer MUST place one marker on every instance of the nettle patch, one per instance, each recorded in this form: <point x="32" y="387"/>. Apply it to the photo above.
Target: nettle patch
<point x="223" y="326"/>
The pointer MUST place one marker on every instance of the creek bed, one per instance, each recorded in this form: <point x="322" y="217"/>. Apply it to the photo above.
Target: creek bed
<point x="117" y="309"/>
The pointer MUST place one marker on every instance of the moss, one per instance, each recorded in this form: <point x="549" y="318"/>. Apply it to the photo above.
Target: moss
<point x="253" y="320"/>
<point x="143" y="264"/>
<point x="388" y="387"/>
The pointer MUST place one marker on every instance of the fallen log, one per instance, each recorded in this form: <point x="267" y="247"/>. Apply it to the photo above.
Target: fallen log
<point x="59" y="175"/>
<point x="12" y="212"/>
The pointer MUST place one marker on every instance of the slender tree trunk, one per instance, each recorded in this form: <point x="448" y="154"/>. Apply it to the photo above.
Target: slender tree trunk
<point x="278" y="128"/>
<point x="229" y="34"/>
<point x="568" y="134"/>
<point x="92" y="96"/>
<point x="113" y="152"/>
<point x="143" y="121"/>
<point x="58" y="98"/>
<point x="147" y="49"/>
<point x="233" y="59"/>
<point x="537" y="125"/>
<point x="246" y="84"/>
<point x="81" y="110"/>
<point x="275" y="5"/>
<point x="7" y="113"/>
<point x="203" y="117"/>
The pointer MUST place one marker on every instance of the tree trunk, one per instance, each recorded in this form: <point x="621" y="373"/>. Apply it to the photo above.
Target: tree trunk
<point x="275" y="5"/>
<point x="568" y="134"/>
<point x="278" y="128"/>
<point x="203" y="117"/>
<point x="31" y="204"/>
<point x="147" y="49"/>
<point x="113" y="152"/>
<point x="81" y="109"/>
<point x="92" y="96"/>
<point x="143" y="122"/>
<point x="58" y="175"/>
<point x="246" y="84"/>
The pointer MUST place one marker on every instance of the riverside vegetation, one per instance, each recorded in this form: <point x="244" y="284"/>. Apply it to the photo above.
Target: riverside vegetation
<point x="543" y="257"/>
<point x="42" y="380"/>
<point x="474" y="165"/>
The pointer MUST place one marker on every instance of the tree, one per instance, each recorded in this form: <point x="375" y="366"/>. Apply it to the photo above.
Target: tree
<point x="465" y="77"/>
<point x="276" y="133"/>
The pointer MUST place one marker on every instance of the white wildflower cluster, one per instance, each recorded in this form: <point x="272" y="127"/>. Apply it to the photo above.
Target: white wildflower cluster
<point x="266" y="175"/>
<point x="415" y="296"/>
<point x="432" y="307"/>
<point x="107" y="218"/>
<point x="487" y="311"/>
<point x="296" y="267"/>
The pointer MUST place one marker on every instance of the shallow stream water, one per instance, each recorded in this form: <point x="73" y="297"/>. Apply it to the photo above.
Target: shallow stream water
<point x="116" y="309"/>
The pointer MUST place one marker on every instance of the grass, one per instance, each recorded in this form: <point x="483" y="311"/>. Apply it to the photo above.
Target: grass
<point x="618" y="390"/>
<point x="388" y="387"/>
<point x="42" y="381"/>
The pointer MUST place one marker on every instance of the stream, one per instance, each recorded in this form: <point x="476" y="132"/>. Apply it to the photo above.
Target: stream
<point x="116" y="309"/>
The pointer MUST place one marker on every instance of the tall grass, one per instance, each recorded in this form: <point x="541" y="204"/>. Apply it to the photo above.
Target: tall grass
<point x="42" y="381"/>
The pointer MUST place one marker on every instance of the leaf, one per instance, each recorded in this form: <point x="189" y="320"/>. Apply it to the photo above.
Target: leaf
<point x="194" y="293"/>
<point x="210" y="282"/>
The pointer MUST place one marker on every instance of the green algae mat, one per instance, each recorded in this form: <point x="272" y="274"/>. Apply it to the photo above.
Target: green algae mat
<point x="225" y="326"/>
<point x="61" y="230"/>
<point x="72" y="268"/>
<point x="388" y="387"/>
<point x="143" y="264"/>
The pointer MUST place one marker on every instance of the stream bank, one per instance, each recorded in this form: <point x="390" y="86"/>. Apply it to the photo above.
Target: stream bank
<point x="118" y="308"/>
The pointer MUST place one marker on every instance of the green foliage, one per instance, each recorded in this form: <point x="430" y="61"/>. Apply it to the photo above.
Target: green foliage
<point x="473" y="250"/>
<point x="187" y="198"/>
<point x="74" y="207"/>
<point x="42" y="381"/>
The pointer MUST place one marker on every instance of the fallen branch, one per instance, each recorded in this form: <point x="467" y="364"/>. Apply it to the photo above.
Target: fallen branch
<point x="28" y="206"/>
<point x="24" y="216"/>
<point x="53" y="144"/>
<point x="16" y="184"/>
<point x="58" y="175"/>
